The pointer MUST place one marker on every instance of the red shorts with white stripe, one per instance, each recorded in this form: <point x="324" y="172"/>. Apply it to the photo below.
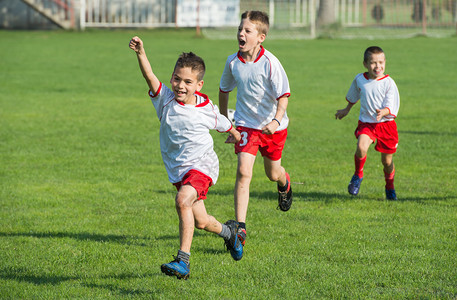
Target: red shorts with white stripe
<point x="199" y="181"/>
<point x="385" y="133"/>
<point x="253" y="140"/>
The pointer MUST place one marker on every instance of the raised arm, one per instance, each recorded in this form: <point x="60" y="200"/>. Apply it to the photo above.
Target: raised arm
<point x="136" y="44"/>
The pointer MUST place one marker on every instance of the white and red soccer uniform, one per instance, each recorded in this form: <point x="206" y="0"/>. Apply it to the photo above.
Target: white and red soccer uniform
<point x="185" y="141"/>
<point x="374" y="94"/>
<point x="259" y="84"/>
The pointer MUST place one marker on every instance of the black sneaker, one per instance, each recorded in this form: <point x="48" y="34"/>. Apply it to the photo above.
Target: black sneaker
<point x="285" y="198"/>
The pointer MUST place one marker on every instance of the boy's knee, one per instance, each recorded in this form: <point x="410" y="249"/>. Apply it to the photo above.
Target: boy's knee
<point x="200" y="225"/>
<point x="181" y="202"/>
<point x="244" y="173"/>
<point x="274" y="176"/>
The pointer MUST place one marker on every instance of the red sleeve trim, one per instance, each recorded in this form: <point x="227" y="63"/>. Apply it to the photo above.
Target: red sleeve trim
<point x="283" y="95"/>
<point x="390" y="114"/>
<point x="157" y="92"/>
<point x="231" y="126"/>
<point x="225" y="92"/>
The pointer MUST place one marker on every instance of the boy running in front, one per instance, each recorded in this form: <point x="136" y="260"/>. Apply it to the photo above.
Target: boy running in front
<point x="186" y="116"/>
<point x="262" y="98"/>
<point x="379" y="105"/>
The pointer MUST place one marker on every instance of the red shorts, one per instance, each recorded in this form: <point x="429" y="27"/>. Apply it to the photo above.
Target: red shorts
<point x="385" y="132"/>
<point x="253" y="140"/>
<point x="199" y="181"/>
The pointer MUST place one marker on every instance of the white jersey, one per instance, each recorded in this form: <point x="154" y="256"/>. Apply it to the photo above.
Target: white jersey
<point x="374" y="94"/>
<point x="259" y="84"/>
<point x="185" y="141"/>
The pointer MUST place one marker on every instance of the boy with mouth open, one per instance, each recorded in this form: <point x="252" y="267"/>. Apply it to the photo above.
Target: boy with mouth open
<point x="260" y="116"/>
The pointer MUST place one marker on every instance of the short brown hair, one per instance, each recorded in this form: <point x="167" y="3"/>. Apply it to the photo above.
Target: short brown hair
<point x="371" y="50"/>
<point x="259" y="18"/>
<point x="193" y="61"/>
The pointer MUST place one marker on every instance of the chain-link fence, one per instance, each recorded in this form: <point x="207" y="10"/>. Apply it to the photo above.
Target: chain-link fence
<point x="293" y="19"/>
<point x="301" y="19"/>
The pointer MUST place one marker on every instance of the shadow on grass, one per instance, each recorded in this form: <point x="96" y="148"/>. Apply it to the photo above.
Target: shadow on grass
<point x="427" y="132"/>
<point x="83" y="236"/>
<point x="330" y="197"/>
<point x="301" y="196"/>
<point x="23" y="275"/>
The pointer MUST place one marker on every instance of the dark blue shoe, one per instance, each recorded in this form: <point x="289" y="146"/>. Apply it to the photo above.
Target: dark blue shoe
<point x="391" y="195"/>
<point x="234" y="244"/>
<point x="354" y="185"/>
<point x="176" y="268"/>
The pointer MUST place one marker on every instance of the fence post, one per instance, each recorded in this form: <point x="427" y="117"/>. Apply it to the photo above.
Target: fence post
<point x="272" y="12"/>
<point x="82" y="15"/>
<point x="312" y="18"/>
<point x="364" y="12"/>
<point x="424" y="17"/>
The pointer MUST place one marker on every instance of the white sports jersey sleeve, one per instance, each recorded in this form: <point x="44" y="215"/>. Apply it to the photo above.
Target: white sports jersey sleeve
<point x="185" y="141"/>
<point x="374" y="94"/>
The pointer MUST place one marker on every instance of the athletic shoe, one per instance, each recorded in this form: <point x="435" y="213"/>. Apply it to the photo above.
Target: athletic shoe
<point x="285" y="198"/>
<point x="391" y="195"/>
<point x="234" y="244"/>
<point x="354" y="185"/>
<point x="242" y="235"/>
<point x="176" y="268"/>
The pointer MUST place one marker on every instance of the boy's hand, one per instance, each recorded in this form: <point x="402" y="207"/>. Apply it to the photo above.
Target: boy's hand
<point x="270" y="128"/>
<point x="234" y="137"/>
<point x="381" y="113"/>
<point x="341" y="113"/>
<point x="136" y="44"/>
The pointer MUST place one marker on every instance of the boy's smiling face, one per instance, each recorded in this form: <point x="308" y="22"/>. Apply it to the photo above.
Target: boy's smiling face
<point x="376" y="65"/>
<point x="185" y="83"/>
<point x="249" y="38"/>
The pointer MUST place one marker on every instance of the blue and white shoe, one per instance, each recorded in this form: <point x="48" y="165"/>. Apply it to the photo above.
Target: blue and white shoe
<point x="234" y="244"/>
<point x="354" y="185"/>
<point x="176" y="268"/>
<point x="391" y="195"/>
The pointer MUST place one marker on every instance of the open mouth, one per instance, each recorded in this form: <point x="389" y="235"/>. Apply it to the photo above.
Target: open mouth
<point x="241" y="43"/>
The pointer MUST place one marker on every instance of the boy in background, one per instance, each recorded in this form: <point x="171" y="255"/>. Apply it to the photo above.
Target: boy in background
<point x="260" y="115"/>
<point x="186" y="116"/>
<point x="379" y="105"/>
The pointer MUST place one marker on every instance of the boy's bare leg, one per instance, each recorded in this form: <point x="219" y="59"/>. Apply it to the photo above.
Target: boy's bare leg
<point x="274" y="171"/>
<point x="243" y="180"/>
<point x="363" y="144"/>
<point x="203" y="220"/>
<point x="185" y="198"/>
<point x="387" y="162"/>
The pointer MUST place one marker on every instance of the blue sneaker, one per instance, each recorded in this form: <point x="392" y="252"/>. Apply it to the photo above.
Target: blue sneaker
<point x="354" y="185"/>
<point x="391" y="195"/>
<point x="234" y="244"/>
<point x="176" y="268"/>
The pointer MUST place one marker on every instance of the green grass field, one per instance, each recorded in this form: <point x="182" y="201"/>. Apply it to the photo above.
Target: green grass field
<point x="86" y="210"/>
